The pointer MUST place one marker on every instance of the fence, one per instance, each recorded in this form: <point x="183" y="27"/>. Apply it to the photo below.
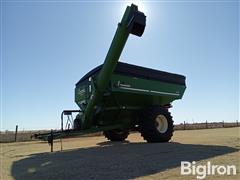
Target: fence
<point x="205" y="125"/>
<point x="19" y="136"/>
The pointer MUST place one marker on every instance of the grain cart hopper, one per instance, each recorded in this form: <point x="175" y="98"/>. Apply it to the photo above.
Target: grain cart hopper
<point x="117" y="97"/>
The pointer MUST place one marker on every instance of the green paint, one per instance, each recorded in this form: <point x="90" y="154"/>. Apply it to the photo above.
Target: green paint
<point x="113" y="55"/>
<point x="108" y="98"/>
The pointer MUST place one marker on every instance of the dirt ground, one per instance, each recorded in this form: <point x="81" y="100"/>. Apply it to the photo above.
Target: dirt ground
<point x="97" y="158"/>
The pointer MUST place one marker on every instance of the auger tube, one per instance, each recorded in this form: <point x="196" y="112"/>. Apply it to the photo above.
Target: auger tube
<point x="133" y="22"/>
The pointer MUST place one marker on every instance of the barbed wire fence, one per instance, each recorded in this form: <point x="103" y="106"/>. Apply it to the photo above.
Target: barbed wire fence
<point x="19" y="136"/>
<point x="205" y="125"/>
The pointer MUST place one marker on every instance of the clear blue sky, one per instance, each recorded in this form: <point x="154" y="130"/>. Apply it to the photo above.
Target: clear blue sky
<point x="46" y="47"/>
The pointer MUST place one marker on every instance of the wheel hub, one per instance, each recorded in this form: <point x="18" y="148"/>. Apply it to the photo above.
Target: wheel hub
<point x="161" y="123"/>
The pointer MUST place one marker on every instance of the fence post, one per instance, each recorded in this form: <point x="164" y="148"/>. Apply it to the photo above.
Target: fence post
<point x="61" y="144"/>
<point x="237" y="123"/>
<point x="51" y="143"/>
<point x="16" y="131"/>
<point x="184" y="125"/>
<point x="223" y="124"/>
<point x="206" y="125"/>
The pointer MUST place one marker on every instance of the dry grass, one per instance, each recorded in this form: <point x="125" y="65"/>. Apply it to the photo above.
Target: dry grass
<point x="208" y="125"/>
<point x="9" y="136"/>
<point x="96" y="158"/>
<point x="23" y="136"/>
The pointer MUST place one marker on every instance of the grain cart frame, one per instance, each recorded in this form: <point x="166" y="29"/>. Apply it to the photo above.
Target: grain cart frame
<point x="117" y="97"/>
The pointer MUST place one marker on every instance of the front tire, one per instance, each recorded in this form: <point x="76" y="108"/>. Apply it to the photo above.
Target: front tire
<point x="116" y="135"/>
<point x="156" y="125"/>
<point x="77" y="124"/>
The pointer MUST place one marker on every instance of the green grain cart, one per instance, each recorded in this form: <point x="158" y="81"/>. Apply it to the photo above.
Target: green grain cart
<point x="117" y="97"/>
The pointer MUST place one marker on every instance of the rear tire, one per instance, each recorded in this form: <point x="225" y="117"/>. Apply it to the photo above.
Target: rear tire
<point x="156" y="125"/>
<point x="116" y="135"/>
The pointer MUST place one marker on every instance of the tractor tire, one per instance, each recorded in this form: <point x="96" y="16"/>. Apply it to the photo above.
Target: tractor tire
<point x="156" y="125"/>
<point x="77" y="124"/>
<point x="116" y="135"/>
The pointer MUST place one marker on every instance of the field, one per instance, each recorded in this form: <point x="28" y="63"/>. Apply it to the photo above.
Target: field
<point x="96" y="158"/>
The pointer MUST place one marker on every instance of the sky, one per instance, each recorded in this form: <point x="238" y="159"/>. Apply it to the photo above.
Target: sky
<point x="47" y="46"/>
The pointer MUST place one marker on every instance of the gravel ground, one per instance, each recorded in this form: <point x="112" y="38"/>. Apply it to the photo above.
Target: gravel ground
<point x="96" y="158"/>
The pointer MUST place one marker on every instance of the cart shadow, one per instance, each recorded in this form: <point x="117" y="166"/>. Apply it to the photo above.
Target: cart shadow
<point x="113" y="160"/>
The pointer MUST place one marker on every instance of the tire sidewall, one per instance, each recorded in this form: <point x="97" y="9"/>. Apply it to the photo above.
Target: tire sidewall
<point x="148" y="128"/>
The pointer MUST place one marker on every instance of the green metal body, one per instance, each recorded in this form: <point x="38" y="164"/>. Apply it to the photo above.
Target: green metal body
<point x="110" y="63"/>
<point x="108" y="99"/>
<point x="121" y="102"/>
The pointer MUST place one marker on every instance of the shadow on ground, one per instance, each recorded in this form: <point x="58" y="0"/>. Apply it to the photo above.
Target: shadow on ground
<point x="113" y="160"/>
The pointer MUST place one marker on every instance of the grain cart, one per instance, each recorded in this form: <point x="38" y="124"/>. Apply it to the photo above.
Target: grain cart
<point x="117" y="97"/>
